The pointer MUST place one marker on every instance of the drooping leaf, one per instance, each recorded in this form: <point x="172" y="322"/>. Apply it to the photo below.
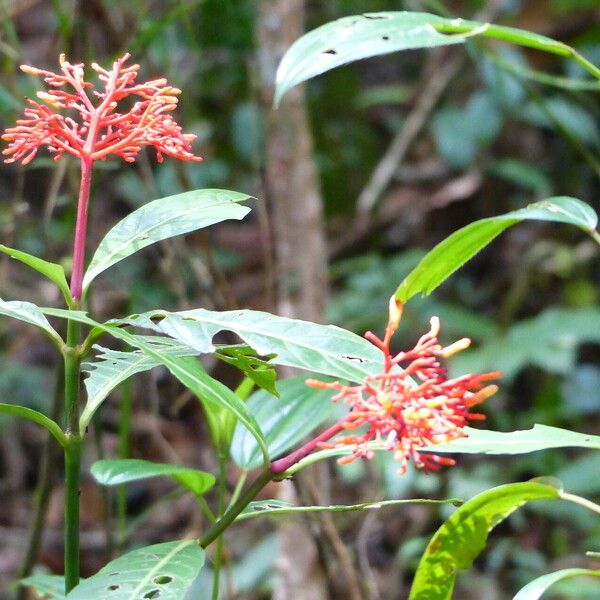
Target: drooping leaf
<point x="161" y="219"/>
<point x="462" y="245"/>
<point x="317" y="348"/>
<point x="540" y="437"/>
<point x="463" y="536"/>
<point x="29" y="313"/>
<point x="49" y="587"/>
<point x="164" y="571"/>
<point x="52" y="271"/>
<point x="548" y="340"/>
<point x="534" y="589"/>
<point x="118" y="471"/>
<point x="113" y="367"/>
<point x="275" y="508"/>
<point x="372" y="34"/>
<point x="285" y="421"/>
<point x="261" y="372"/>
<point x="37" y="417"/>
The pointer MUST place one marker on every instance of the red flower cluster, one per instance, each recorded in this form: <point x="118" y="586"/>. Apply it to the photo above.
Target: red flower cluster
<point x="412" y="407"/>
<point x="95" y="130"/>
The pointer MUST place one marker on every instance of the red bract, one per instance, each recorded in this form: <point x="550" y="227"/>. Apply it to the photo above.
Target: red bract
<point x="410" y="408"/>
<point x="69" y="121"/>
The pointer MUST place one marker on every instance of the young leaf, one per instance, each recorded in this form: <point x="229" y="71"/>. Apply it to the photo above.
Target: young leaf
<point x="118" y="471"/>
<point x="36" y="417"/>
<point x="285" y="421"/>
<point x="275" y="508"/>
<point x="459" y="541"/>
<point x="52" y="271"/>
<point x="49" y="587"/>
<point x="164" y="571"/>
<point x="463" y="244"/>
<point x="161" y="219"/>
<point x="317" y="348"/>
<point x="540" y="437"/>
<point x="361" y="36"/>
<point x="113" y="367"/>
<point x="29" y="313"/>
<point x="535" y="589"/>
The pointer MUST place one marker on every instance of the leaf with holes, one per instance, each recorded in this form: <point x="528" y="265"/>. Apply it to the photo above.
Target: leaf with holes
<point x="462" y="245"/>
<point x="285" y="421"/>
<point x="317" y="348"/>
<point x="118" y="471"/>
<point x="463" y="536"/>
<point x="113" y="367"/>
<point x="535" y="589"/>
<point x="362" y="36"/>
<point x="162" y="571"/>
<point x="162" y="219"/>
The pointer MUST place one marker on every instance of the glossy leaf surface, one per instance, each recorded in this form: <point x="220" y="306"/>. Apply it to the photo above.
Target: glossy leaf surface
<point x="535" y="589"/>
<point x="118" y="471"/>
<point x="29" y="313"/>
<point x="164" y="571"/>
<point x="463" y="536"/>
<point x="162" y="219"/>
<point x="450" y="254"/>
<point x="285" y="421"/>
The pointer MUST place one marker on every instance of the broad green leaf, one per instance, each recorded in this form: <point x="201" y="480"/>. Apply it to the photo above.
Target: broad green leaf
<point x="213" y="394"/>
<point x="113" y="367"/>
<point x="29" y="313"/>
<point x="372" y="34"/>
<point x="161" y="219"/>
<point x="463" y="536"/>
<point x="317" y="348"/>
<point x="49" y="587"/>
<point x="540" y="437"/>
<point x="36" y="417"/>
<point x="463" y="244"/>
<point x="164" y="571"/>
<point x="548" y="340"/>
<point x="118" y="471"/>
<point x="535" y="589"/>
<point x="52" y="271"/>
<point x="285" y="421"/>
<point x="245" y="359"/>
<point x="275" y="508"/>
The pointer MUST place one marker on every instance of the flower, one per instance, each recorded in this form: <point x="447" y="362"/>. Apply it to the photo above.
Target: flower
<point x="412" y="404"/>
<point x="71" y="119"/>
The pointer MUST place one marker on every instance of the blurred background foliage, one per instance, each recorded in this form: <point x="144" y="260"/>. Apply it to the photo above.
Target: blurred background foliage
<point x="509" y="127"/>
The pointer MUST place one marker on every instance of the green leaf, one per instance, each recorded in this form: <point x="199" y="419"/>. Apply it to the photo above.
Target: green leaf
<point x="162" y="219"/>
<point x="113" y="367"/>
<point x="29" y="313"/>
<point x="275" y="508"/>
<point x="164" y="571"/>
<point x="285" y="421"/>
<point x="372" y="34"/>
<point x="36" y="417"/>
<point x="463" y="536"/>
<point x="535" y="589"/>
<point x="49" y="587"/>
<point x="52" y="271"/>
<point x="245" y="359"/>
<point x="463" y="244"/>
<point x="118" y="471"/>
<point x="540" y="437"/>
<point x="317" y="348"/>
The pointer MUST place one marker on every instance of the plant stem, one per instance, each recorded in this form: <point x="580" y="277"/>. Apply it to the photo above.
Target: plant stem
<point x="229" y="517"/>
<point x="81" y="228"/>
<point x="581" y="501"/>
<point x="124" y="451"/>
<point x="218" y="555"/>
<point x="72" y="452"/>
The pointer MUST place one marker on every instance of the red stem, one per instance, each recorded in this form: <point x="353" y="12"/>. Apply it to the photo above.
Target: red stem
<point x="81" y="228"/>
<point x="283" y="464"/>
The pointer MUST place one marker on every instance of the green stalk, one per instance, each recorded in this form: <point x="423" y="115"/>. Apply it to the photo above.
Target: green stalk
<point x="72" y="452"/>
<point x="218" y="556"/>
<point x="124" y="451"/>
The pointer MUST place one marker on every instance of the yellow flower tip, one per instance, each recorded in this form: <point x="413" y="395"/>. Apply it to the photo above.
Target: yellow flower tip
<point x="395" y="312"/>
<point x="435" y="326"/>
<point x="49" y="99"/>
<point x="30" y="70"/>
<point x="457" y="346"/>
<point x="384" y="399"/>
<point x="62" y="59"/>
<point x="482" y="395"/>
